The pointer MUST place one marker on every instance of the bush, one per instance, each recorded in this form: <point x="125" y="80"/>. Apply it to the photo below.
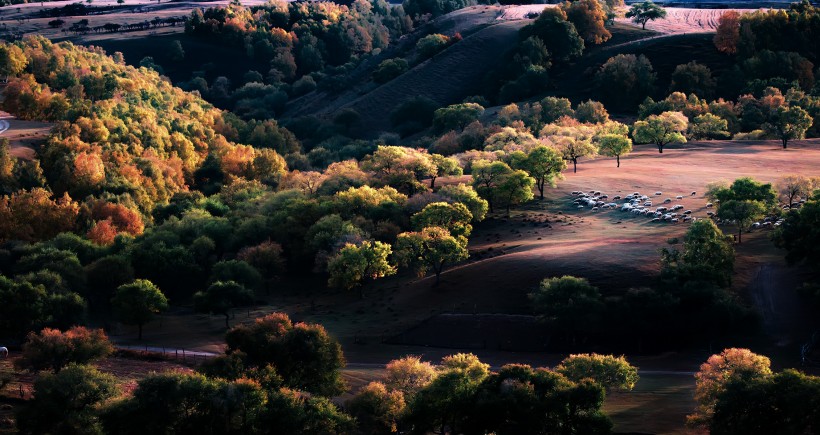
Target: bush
<point x="390" y="69"/>
<point x="431" y="45"/>
<point x="625" y="80"/>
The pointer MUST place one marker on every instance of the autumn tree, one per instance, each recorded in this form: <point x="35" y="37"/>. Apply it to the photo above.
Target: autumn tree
<point x="570" y="304"/>
<point x="607" y="371"/>
<point x="70" y="401"/>
<point x="641" y="13"/>
<point x="51" y="349"/>
<point x="137" y="303"/>
<point x="432" y="248"/>
<point x="12" y="60"/>
<point x="787" y="123"/>
<point x="717" y="372"/>
<point x="792" y="187"/>
<point x="614" y="145"/>
<point x="356" y="264"/>
<point x="661" y="130"/>
<point x="558" y="35"/>
<point x="799" y="234"/>
<point x="409" y="375"/>
<point x="377" y="409"/>
<point x="591" y="112"/>
<point x="589" y="18"/>
<point x="727" y="33"/>
<point x="221" y="297"/>
<point x="34" y="215"/>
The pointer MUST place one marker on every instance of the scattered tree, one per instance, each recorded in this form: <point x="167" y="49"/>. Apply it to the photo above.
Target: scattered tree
<point x="137" y="303"/>
<point x="614" y="145"/>
<point x="607" y="371"/>
<point x="51" y="349"/>
<point x="355" y="264"/>
<point x="221" y="297"/>
<point x="644" y="12"/>
<point x="661" y="130"/>
<point x="430" y="249"/>
<point x="788" y="123"/>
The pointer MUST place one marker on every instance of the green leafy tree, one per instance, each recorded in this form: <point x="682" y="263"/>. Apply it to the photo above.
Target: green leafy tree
<point x="614" y="145"/>
<point x="487" y="177"/>
<point x="389" y="69"/>
<point x="191" y="403"/>
<point x="744" y="213"/>
<point x="431" y="45"/>
<point x="469" y="197"/>
<point x="444" y="166"/>
<point x="693" y="78"/>
<point x="572" y="149"/>
<point x="356" y="263"/>
<point x="709" y="126"/>
<point x="544" y="165"/>
<point x="454" y="217"/>
<point x="304" y="355"/>
<point x="607" y="371"/>
<point x="570" y="304"/>
<point x="432" y="248"/>
<point x="717" y="372"/>
<point x="221" y="297"/>
<point x="745" y="189"/>
<point x="446" y="402"/>
<point x="515" y="188"/>
<point x="137" y="303"/>
<point x="625" y="80"/>
<point x="641" y="13"/>
<point x="68" y="402"/>
<point x="707" y="256"/>
<point x="52" y="350"/>
<point x="558" y="35"/>
<point x="786" y="402"/>
<point x="661" y="130"/>
<point x="456" y="116"/>
<point x="799" y="234"/>
<point x="788" y="123"/>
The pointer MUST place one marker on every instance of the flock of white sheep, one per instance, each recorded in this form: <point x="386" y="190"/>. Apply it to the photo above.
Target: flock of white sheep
<point x="638" y="204"/>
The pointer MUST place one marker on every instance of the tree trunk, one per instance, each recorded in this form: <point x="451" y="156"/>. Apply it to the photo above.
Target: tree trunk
<point x="618" y="158"/>
<point x="660" y="148"/>
<point x="785" y="142"/>
<point x="739" y="233"/>
<point x="574" y="166"/>
<point x="227" y="326"/>
<point x="644" y="25"/>
<point x="139" y="334"/>
<point x="433" y="183"/>
<point x="541" y="188"/>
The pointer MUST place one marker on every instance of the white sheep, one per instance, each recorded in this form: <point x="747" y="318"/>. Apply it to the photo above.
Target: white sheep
<point x="4" y="352"/>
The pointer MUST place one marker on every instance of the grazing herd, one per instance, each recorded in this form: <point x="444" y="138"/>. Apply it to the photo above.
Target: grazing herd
<point x="637" y="204"/>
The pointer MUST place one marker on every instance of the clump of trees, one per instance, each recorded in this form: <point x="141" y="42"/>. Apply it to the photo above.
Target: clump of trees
<point x="737" y="391"/>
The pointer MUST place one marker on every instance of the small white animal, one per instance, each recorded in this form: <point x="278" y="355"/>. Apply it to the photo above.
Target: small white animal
<point x="4" y="352"/>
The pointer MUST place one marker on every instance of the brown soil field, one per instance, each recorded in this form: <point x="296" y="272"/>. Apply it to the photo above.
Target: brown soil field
<point x="24" y="136"/>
